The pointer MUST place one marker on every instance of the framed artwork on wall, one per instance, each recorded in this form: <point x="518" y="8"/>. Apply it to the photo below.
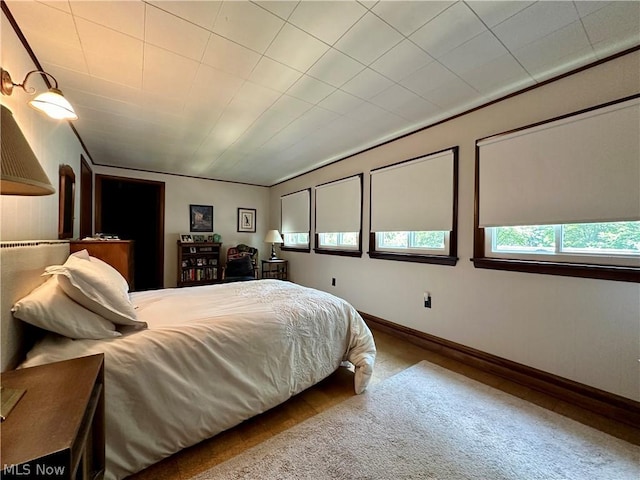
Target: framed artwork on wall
<point x="247" y="220"/>
<point x="201" y="218"/>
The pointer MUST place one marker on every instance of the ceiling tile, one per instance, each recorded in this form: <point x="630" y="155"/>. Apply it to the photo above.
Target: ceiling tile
<point x="498" y="77"/>
<point x="247" y="24"/>
<point x="623" y="18"/>
<point x="535" y="22"/>
<point x="495" y="12"/>
<point x="310" y="89"/>
<point x="256" y="97"/>
<point x="368" y="39"/>
<point x="54" y="53"/>
<point x="335" y="68"/>
<point x="408" y="16"/>
<point x="187" y="39"/>
<point x="367" y="112"/>
<point x="587" y="8"/>
<point x="451" y="28"/>
<point x="473" y="53"/>
<point x="401" y="61"/>
<point x="366" y="84"/>
<point x="427" y="78"/>
<point x="173" y="82"/>
<point x="40" y="18"/>
<point x="229" y="56"/>
<point x="552" y="48"/>
<point x="341" y="102"/>
<point x="125" y="17"/>
<point x="405" y="103"/>
<point x="455" y="95"/>
<point x="327" y="21"/>
<point x="213" y="88"/>
<point x="199" y="13"/>
<point x="64" y="6"/>
<point x="274" y="75"/>
<point x="296" y="48"/>
<point x="280" y="8"/>
<point x="111" y="55"/>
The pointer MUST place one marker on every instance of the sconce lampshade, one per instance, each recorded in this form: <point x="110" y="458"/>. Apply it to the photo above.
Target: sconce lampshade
<point x="21" y="173"/>
<point x="54" y="104"/>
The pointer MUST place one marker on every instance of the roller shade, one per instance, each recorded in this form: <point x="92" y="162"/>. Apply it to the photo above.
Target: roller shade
<point x="414" y="196"/>
<point x="339" y="206"/>
<point x="296" y="208"/>
<point x="580" y="169"/>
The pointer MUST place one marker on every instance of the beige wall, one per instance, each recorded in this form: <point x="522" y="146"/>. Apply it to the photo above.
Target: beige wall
<point x="52" y="141"/>
<point x="582" y="329"/>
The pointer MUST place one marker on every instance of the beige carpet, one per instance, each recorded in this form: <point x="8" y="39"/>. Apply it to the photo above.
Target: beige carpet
<point x="429" y="423"/>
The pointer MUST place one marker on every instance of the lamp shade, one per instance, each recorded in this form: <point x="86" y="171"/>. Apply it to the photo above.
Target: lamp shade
<point x="21" y="173"/>
<point x="54" y="105"/>
<point x="273" y="237"/>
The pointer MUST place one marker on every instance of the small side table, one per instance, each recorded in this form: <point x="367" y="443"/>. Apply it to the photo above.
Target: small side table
<point x="56" y="430"/>
<point x="277" y="269"/>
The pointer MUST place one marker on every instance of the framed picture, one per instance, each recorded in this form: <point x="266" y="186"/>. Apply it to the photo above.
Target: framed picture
<point x="210" y="238"/>
<point x="201" y="217"/>
<point x="247" y="220"/>
<point x="186" y="238"/>
<point x="198" y="238"/>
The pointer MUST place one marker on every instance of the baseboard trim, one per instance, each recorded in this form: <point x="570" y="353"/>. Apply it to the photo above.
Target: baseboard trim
<point x="598" y="401"/>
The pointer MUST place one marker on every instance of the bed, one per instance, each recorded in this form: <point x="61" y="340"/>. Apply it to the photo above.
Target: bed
<point x="197" y="361"/>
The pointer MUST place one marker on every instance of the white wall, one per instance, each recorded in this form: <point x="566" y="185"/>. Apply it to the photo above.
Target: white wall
<point x="582" y="329"/>
<point x="53" y="142"/>
<point x="226" y="198"/>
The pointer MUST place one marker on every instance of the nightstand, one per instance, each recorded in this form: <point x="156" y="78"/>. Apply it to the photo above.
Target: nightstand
<point x="277" y="269"/>
<point x="56" y="430"/>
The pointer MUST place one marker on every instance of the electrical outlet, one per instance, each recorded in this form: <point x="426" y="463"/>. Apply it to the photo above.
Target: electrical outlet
<point x="427" y="300"/>
<point x="333" y="282"/>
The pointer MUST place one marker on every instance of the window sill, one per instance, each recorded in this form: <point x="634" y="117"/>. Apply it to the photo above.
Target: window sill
<point x="296" y="249"/>
<point x="341" y="253"/>
<point x="602" y="272"/>
<point x="406" y="257"/>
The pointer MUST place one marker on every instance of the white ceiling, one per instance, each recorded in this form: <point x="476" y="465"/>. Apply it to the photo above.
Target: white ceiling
<point x="258" y="92"/>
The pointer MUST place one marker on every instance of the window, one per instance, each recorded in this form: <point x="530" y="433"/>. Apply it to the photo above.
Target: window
<point x="295" y="215"/>
<point x="562" y="197"/>
<point x="616" y="243"/>
<point x="339" y="217"/>
<point x="414" y="209"/>
<point x="300" y="240"/>
<point x="430" y="242"/>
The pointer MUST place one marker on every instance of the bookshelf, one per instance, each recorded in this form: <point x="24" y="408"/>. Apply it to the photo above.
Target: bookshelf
<point x="198" y="263"/>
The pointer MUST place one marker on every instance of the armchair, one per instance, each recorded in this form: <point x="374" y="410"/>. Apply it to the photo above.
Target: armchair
<point x="241" y="265"/>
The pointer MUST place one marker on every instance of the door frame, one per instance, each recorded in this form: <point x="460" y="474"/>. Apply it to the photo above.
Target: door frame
<point x="159" y="212"/>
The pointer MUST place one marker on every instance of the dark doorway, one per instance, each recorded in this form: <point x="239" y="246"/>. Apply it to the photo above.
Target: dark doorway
<point x="134" y="210"/>
<point x="86" y="197"/>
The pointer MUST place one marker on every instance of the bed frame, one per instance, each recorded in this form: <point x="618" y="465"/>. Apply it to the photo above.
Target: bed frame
<point x="21" y="267"/>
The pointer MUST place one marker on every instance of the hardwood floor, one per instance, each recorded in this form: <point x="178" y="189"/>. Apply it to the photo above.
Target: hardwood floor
<point x="394" y="355"/>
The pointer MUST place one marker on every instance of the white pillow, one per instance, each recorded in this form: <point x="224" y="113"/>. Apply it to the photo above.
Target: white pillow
<point x="48" y="307"/>
<point x="114" y="275"/>
<point x="86" y="283"/>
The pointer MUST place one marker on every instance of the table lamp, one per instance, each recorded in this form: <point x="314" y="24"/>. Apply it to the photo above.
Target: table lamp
<point x="273" y="237"/>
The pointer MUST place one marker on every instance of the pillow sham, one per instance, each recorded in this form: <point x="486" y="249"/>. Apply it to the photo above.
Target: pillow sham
<point x="49" y="308"/>
<point x="86" y="283"/>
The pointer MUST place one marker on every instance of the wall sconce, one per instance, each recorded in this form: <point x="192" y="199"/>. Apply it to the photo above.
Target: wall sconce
<point x="50" y="102"/>
<point x="20" y="172"/>
<point x="273" y="236"/>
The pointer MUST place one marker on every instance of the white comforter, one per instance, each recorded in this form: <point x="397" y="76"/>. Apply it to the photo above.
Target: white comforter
<point x="212" y="357"/>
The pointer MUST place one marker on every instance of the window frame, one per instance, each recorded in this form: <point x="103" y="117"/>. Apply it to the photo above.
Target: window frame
<point x="338" y="250"/>
<point x="451" y="257"/>
<point x="482" y="257"/>
<point x="307" y="247"/>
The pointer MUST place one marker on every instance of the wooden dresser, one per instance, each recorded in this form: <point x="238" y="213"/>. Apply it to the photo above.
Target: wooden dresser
<point x="117" y="253"/>
<point x="56" y="430"/>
